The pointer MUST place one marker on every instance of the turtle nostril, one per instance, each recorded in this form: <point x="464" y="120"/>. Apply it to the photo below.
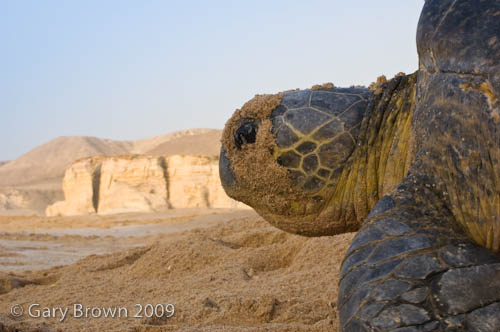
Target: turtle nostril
<point x="246" y="134"/>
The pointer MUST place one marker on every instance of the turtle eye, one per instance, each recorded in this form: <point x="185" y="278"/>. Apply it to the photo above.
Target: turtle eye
<point x="246" y="134"/>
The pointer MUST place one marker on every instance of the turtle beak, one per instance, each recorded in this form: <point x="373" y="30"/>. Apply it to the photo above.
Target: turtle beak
<point x="226" y="174"/>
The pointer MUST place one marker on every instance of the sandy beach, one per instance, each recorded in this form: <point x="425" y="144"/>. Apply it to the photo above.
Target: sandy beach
<point x="212" y="269"/>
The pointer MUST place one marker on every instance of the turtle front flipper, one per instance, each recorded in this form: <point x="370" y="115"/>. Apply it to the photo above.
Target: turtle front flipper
<point x="410" y="268"/>
<point x="427" y="257"/>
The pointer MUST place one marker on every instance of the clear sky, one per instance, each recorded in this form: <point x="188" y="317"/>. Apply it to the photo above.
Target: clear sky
<point x="134" y="69"/>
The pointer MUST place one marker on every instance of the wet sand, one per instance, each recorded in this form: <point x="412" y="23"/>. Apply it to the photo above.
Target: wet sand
<point x="30" y="243"/>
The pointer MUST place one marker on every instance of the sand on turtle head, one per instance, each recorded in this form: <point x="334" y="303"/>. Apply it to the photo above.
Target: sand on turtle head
<point x="262" y="182"/>
<point x="328" y="85"/>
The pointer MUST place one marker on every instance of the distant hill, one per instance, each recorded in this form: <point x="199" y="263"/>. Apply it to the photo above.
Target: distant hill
<point x="3" y="163"/>
<point x="45" y="165"/>
<point x="204" y="144"/>
<point x="49" y="160"/>
<point x="144" y="146"/>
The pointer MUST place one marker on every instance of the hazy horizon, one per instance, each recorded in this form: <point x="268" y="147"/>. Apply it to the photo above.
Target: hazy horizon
<point x="131" y="70"/>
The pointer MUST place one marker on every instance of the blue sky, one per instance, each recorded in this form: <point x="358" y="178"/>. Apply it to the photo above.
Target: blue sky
<point x="135" y="69"/>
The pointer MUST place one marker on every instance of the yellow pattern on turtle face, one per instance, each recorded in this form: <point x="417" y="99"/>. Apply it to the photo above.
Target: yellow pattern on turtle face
<point x="316" y="149"/>
<point x="315" y="133"/>
<point x="322" y="178"/>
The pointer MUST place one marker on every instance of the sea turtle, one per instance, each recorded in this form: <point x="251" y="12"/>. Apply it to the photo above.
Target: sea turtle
<point x="413" y="165"/>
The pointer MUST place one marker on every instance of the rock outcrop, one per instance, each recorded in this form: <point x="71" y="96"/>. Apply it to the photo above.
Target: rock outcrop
<point x="79" y="182"/>
<point x="38" y="174"/>
<point x="129" y="184"/>
<point x="26" y="201"/>
<point x="119" y="184"/>
<point x="50" y="160"/>
<point x="194" y="182"/>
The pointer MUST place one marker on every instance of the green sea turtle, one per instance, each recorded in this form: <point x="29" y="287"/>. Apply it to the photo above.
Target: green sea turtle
<point x="413" y="166"/>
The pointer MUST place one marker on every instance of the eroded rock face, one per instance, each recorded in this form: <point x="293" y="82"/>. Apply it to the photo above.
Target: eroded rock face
<point x="130" y="184"/>
<point x="26" y="200"/>
<point x="119" y="184"/>
<point x="78" y="187"/>
<point x="194" y="182"/>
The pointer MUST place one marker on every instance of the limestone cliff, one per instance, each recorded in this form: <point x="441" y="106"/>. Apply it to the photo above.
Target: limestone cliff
<point x="79" y="184"/>
<point x="129" y="184"/>
<point x="26" y="201"/>
<point x="194" y="182"/>
<point x="118" y="184"/>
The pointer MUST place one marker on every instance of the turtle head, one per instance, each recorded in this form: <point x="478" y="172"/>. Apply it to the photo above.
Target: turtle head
<point x="284" y="154"/>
